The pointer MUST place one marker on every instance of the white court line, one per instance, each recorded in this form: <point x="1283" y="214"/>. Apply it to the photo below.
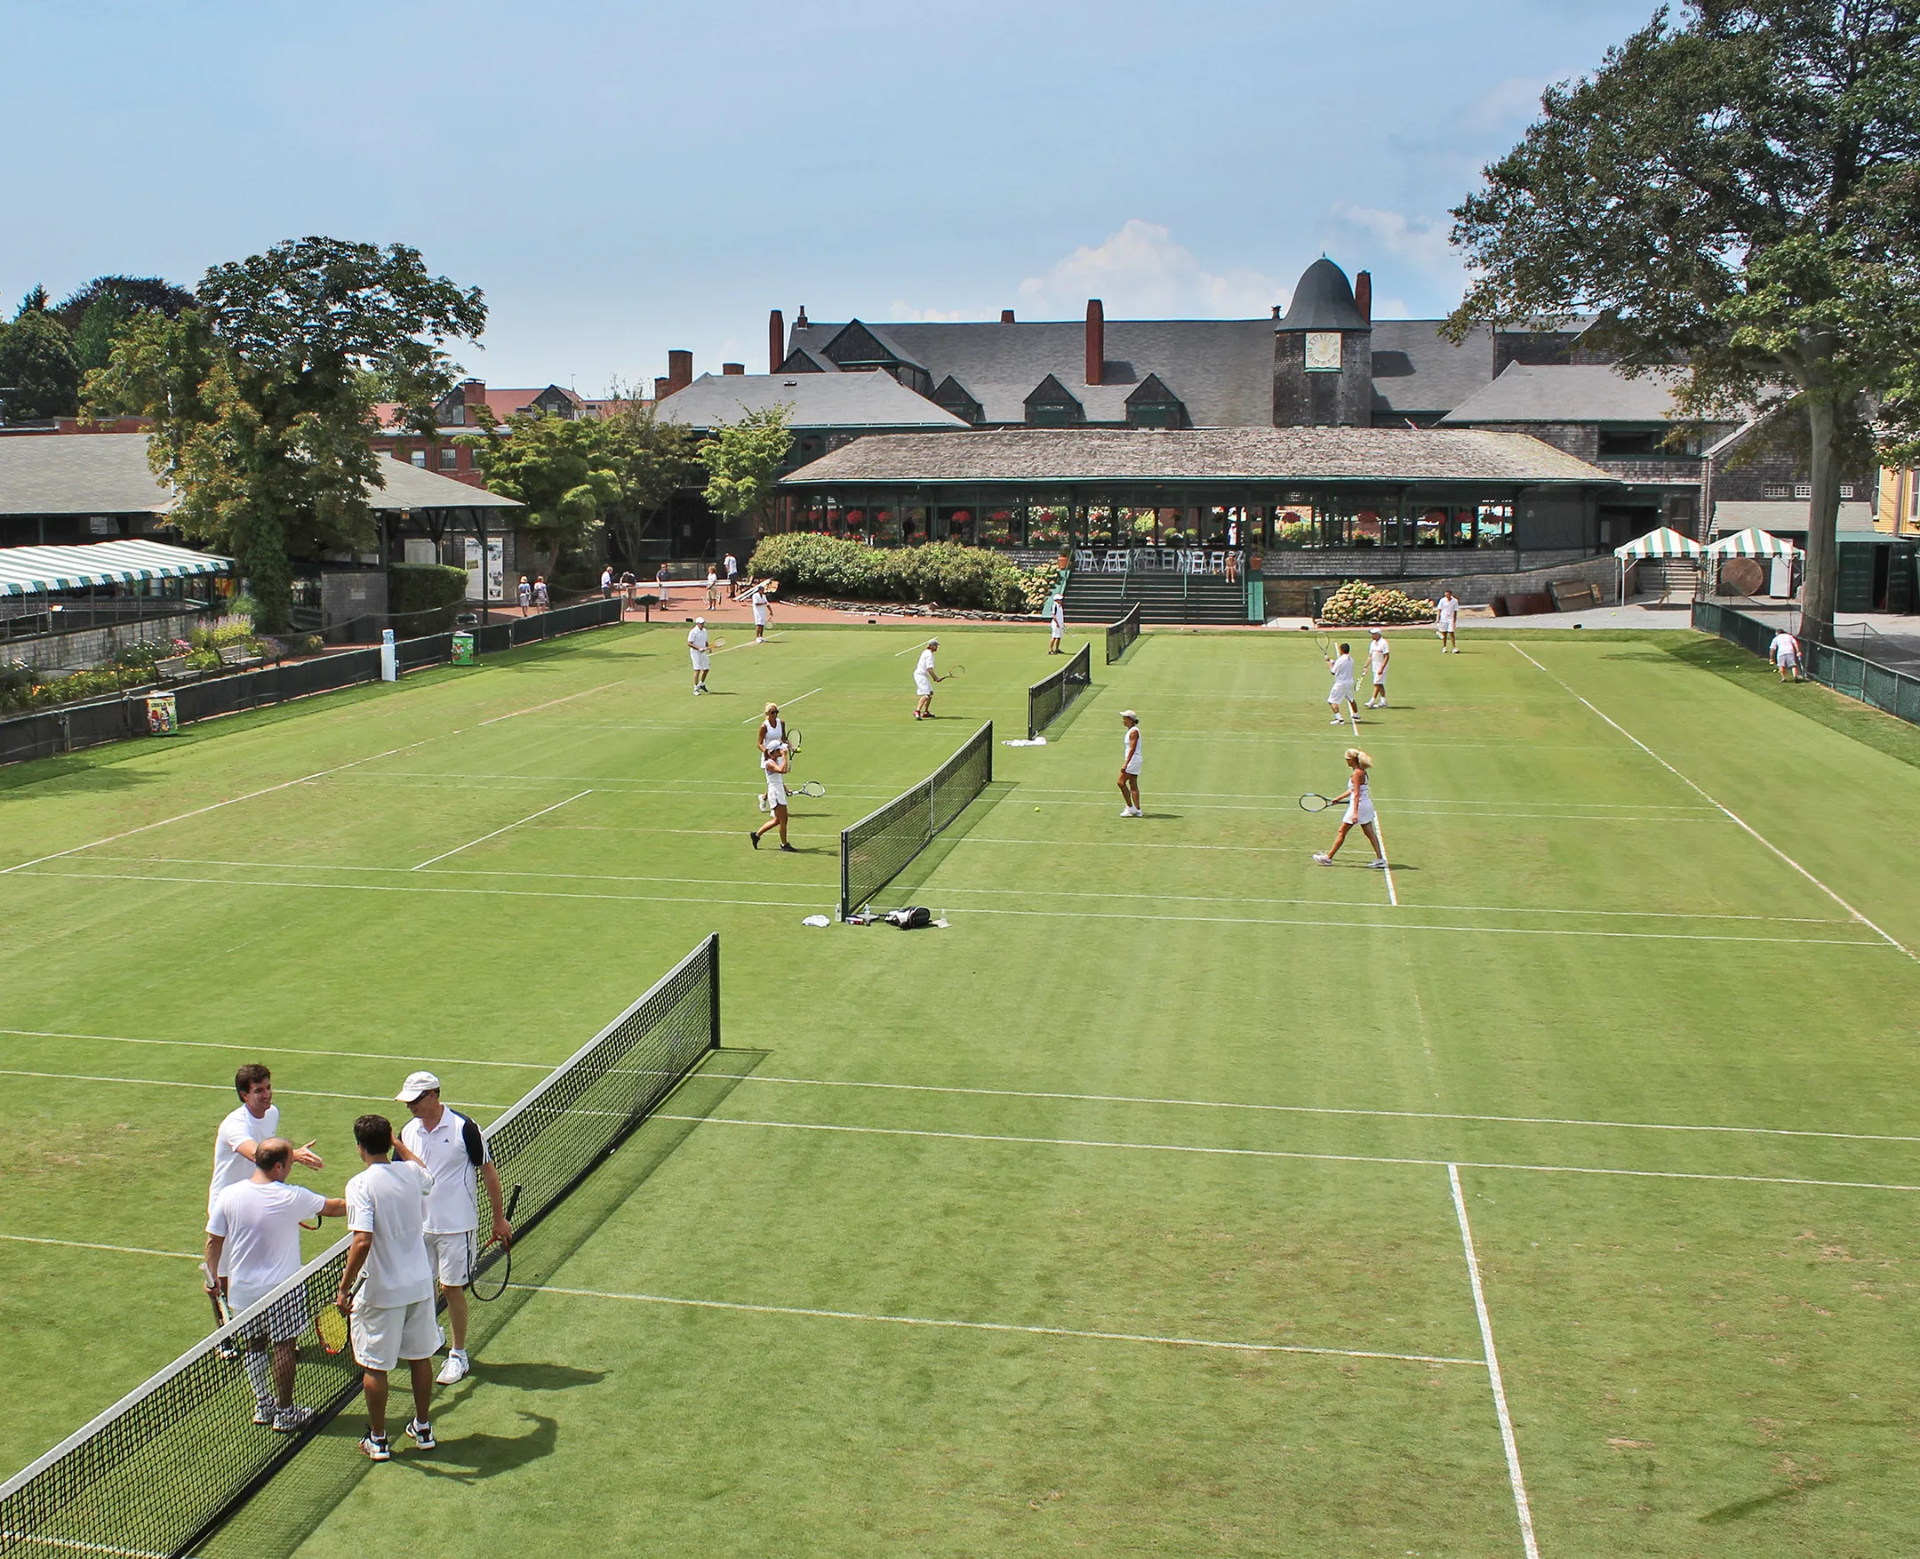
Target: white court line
<point x="549" y="704"/>
<point x="163" y="1082"/>
<point x="1522" y="1508"/>
<point x="41" y="1540"/>
<point x="997" y="1326"/>
<point x="1285" y="1153"/>
<point x="787" y="705"/>
<point x="1393" y="898"/>
<point x="499" y="831"/>
<point x="1731" y="814"/>
<point x="124" y="1250"/>
<point x="279" y="1050"/>
<point x="911" y="648"/>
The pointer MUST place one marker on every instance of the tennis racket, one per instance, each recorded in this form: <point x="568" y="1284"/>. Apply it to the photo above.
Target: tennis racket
<point x="331" y="1327"/>
<point x="493" y="1283"/>
<point x="811" y="788"/>
<point x="216" y="1296"/>
<point x="1326" y="647"/>
<point x="318" y="1219"/>
<point x="1313" y="801"/>
<point x="719" y="644"/>
<point x="958" y="671"/>
<point x="793" y="741"/>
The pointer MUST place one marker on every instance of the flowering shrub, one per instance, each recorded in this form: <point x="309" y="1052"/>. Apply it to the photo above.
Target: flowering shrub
<point x="1357" y="603"/>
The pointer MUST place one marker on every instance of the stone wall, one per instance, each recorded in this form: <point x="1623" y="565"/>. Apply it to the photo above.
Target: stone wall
<point x="1291" y="594"/>
<point x="95" y="646"/>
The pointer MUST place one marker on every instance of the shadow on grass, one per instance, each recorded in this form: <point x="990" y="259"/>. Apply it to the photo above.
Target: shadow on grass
<point x="901" y="890"/>
<point x="283" y="1515"/>
<point x="1064" y="722"/>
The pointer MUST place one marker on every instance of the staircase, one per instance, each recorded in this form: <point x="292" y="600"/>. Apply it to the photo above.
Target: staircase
<point x="1671" y="579"/>
<point x="1198" y="599"/>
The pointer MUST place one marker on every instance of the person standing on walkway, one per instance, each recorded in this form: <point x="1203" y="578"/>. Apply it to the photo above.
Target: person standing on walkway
<point x="606" y="583"/>
<point x="713" y="588"/>
<point x="541" y="597"/>
<point x="732" y="566"/>
<point x="525" y="591"/>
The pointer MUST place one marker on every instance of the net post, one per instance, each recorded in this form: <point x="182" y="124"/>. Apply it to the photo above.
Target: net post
<point x="713" y="986"/>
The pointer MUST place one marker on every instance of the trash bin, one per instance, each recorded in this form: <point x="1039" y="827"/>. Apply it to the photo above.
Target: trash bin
<point x="463" y="649"/>
<point x="163" y="715"/>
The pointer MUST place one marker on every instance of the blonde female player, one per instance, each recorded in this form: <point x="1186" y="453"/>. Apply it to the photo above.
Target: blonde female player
<point x="1359" y="810"/>
<point x="774" y="765"/>
<point x="1130" y="765"/>
<point x="773" y="730"/>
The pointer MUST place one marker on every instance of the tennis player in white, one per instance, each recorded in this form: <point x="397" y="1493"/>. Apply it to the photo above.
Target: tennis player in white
<point x="1446" y="613"/>
<point x="772" y="729"/>
<point x="253" y="1235"/>
<point x="392" y="1318"/>
<point x="447" y="1143"/>
<point x="1378" y="653"/>
<point x="924" y="677"/>
<point x="758" y="596"/>
<point x="773" y="764"/>
<point x="1359" y="810"/>
<point x="255" y="1120"/>
<point x="1056" y="626"/>
<point x="1343" y="695"/>
<point x="697" y="649"/>
<point x="1130" y="765"/>
<point x="1784" y="652"/>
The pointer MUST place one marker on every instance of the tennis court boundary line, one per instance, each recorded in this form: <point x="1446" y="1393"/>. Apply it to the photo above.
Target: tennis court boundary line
<point x="995" y="1326"/>
<point x="1522" y="1507"/>
<point x="446" y="854"/>
<point x="1203" y="1150"/>
<point x="272" y="1048"/>
<point x="1721" y="806"/>
<point x="534" y="709"/>
<point x="123" y="1250"/>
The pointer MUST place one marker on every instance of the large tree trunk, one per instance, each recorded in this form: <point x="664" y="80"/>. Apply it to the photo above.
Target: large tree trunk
<point x="1822" y="584"/>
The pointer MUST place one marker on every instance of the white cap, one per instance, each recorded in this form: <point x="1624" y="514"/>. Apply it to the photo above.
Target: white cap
<point x="1128" y="714"/>
<point x="699" y="622"/>
<point x="1374" y="631"/>
<point x="416" y="1084"/>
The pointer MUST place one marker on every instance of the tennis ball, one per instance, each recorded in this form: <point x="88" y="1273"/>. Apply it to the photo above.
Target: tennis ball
<point x="1036" y="809"/>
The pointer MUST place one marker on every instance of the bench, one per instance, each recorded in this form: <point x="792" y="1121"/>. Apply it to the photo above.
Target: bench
<point x="1573" y="594"/>
<point x="172" y="669"/>
<point x="234" y="658"/>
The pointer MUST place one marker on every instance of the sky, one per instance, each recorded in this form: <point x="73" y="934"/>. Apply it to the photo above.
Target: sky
<point x="621" y="179"/>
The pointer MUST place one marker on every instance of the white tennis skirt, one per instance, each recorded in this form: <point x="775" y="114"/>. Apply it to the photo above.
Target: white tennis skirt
<point x="1358" y="812"/>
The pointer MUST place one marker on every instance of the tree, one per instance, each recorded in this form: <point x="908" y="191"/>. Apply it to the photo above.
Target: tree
<point x="98" y="313"/>
<point x="262" y="396"/>
<point x="560" y="467"/>
<point x="39" y="374"/>
<point x="1738" y="194"/>
<point x="743" y="461"/>
<point x="652" y="460"/>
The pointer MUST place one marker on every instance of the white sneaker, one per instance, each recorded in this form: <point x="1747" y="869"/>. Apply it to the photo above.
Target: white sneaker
<point x="1126" y="811"/>
<point x="455" y="1369"/>
<point x="1322" y="860"/>
<point x="1336" y="720"/>
<point x="293" y="1418"/>
<point x="265" y="1410"/>
<point x="1378" y="863"/>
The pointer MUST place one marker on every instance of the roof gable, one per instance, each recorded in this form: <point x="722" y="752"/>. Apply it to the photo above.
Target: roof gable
<point x="861" y="346"/>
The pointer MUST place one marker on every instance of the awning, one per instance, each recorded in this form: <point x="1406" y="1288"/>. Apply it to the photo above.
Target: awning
<point x="1663" y="543"/>
<point x="1752" y="544"/>
<point x="38" y="570"/>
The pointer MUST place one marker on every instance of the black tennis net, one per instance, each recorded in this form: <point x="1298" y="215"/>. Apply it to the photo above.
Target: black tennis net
<point x="1122" y="634"/>
<point x="1049" y="698"/>
<point x="161" y="1469"/>
<point x="877" y="849"/>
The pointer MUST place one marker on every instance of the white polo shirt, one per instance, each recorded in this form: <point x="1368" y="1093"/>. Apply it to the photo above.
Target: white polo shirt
<point x="261" y="1227"/>
<point x="1377" y="653"/>
<point x="389" y="1201"/>
<point x="697" y="641"/>
<point x="230" y="1166"/>
<point x="453" y="1206"/>
<point x="1449" y="609"/>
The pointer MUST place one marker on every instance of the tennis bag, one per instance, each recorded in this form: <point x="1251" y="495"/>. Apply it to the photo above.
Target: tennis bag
<point x="910" y="919"/>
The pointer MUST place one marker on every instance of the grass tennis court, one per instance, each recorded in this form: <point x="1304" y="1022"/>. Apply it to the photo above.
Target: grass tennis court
<point x="1125" y="1215"/>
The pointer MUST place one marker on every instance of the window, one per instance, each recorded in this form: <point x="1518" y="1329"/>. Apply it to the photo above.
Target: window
<point x="419" y="458"/>
<point x="1803" y="489"/>
<point x="449" y="458"/>
<point x="1846" y="490"/>
<point x="1778" y="490"/>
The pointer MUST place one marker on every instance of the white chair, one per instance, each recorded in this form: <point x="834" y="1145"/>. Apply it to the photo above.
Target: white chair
<point x="1085" y="560"/>
<point x="1216" y="562"/>
<point x="1116" y="562"/>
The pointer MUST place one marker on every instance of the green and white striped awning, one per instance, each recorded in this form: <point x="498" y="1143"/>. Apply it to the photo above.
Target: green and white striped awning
<point x="1754" y="543"/>
<point x="40" y="570"/>
<point x="1663" y="543"/>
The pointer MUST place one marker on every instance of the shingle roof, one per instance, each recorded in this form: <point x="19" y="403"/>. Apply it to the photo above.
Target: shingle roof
<point x="1418" y="372"/>
<point x="1578" y="392"/>
<point x="874" y="399"/>
<point x="1199" y="454"/>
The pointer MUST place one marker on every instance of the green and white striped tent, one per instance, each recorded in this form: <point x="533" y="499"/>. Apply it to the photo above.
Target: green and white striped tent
<point x="43" y="570"/>
<point x="1663" y="543"/>
<point x="1754" y="543"/>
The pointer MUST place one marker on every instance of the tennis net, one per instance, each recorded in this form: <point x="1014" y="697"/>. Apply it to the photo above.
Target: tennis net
<point x="1122" y="634"/>
<point x="161" y="1469"/>
<point x="1049" y="698"/>
<point x="877" y="849"/>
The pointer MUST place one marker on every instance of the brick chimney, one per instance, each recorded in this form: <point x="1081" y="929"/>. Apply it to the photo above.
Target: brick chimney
<point x="776" y="341"/>
<point x="1363" y="295"/>
<point x="800" y="319"/>
<point x="473" y="392"/>
<point x="662" y="388"/>
<point x="733" y="368"/>
<point x="679" y="371"/>
<point x="1006" y="316"/>
<point x="1096" y="342"/>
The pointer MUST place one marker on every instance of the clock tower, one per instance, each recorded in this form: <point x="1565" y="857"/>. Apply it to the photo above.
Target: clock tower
<point x="1323" y="352"/>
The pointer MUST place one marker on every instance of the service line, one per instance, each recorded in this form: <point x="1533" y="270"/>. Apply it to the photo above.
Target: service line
<point x="499" y="831"/>
<point x="787" y="705"/>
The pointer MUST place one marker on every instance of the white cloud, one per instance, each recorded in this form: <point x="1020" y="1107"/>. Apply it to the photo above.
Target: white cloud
<point x="905" y="314"/>
<point x="1140" y="272"/>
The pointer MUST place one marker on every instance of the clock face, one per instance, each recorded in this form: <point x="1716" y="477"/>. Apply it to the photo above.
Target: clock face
<point x="1323" y="351"/>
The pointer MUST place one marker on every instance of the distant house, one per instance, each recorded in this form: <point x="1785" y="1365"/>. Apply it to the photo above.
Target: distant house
<point x="458" y="415"/>
<point x="823" y="411"/>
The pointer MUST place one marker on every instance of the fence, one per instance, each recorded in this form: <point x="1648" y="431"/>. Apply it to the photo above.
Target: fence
<point x="48" y="732"/>
<point x="1894" y="692"/>
<point x="1050" y="697"/>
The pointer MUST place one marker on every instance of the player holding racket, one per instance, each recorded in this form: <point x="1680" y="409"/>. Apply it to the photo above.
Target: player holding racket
<point x="1359" y="810"/>
<point x="253" y="1235"/>
<point x="698" y="650"/>
<point x="239" y="1137"/>
<point x="773" y="730"/>
<point x="774" y="764"/>
<point x="924" y="677"/>
<point x="1343" y="696"/>
<point x="455" y="1152"/>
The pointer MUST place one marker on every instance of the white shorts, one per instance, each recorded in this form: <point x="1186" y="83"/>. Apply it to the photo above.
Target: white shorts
<point x="701" y="659"/>
<point x="1342" y="694"/>
<point x="1786" y="658"/>
<point x="452" y="1257"/>
<point x="1380" y="678"/>
<point x="285" y="1321"/>
<point x="1360" y="813"/>
<point x="1055" y="631"/>
<point x="759" y="617"/>
<point x="382" y="1338"/>
<point x="923" y="685"/>
<point x="1446" y="625"/>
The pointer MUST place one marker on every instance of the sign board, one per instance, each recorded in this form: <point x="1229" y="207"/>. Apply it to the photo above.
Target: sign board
<point x="1323" y="351"/>
<point x="495" y="569"/>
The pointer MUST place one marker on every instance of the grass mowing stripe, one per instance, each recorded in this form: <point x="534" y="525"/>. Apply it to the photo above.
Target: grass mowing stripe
<point x="787" y="705"/>
<point x="124" y="1250"/>
<point x="1322" y="1158"/>
<point x="1522" y="1508"/>
<point x="270" y="1048"/>
<point x="997" y="1326"/>
<point x="166" y="1082"/>
<point x="1731" y="814"/>
<point x="444" y="855"/>
<point x="550" y="703"/>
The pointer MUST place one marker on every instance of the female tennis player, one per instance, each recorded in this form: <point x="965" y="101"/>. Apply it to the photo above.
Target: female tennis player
<point x="1359" y="810"/>
<point x="1130" y="765"/>
<point x="774" y="765"/>
<point x="773" y="730"/>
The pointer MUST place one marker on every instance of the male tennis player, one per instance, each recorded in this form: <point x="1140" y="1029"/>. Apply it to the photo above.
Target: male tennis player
<point x="1130" y="765"/>
<point x="1447" y="612"/>
<point x="924" y="677"/>
<point x="1056" y="626"/>
<point x="1359" y="810"/>
<point x="393" y="1317"/>
<point x="253" y="1234"/>
<point x="697" y="649"/>
<point x="774" y="763"/>
<point x="238" y="1140"/>
<point x="1784" y="652"/>
<point x="452" y="1148"/>
<point x="1343" y="695"/>
<point x="1378" y="653"/>
<point x="757" y="595"/>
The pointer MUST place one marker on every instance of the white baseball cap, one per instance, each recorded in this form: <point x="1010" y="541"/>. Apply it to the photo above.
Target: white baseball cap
<point x="700" y="622"/>
<point x="1374" y="631"/>
<point x="416" y="1084"/>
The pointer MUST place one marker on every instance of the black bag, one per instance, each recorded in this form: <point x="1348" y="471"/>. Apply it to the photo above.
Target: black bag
<point x="911" y="919"/>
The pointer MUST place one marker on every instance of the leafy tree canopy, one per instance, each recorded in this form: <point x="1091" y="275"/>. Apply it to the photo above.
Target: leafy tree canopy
<point x="653" y="460"/>
<point x="98" y="313"/>
<point x="743" y="461"/>
<point x="39" y="372"/>
<point x="561" y="468"/>
<point x="1738" y="192"/>
<point x="262" y="395"/>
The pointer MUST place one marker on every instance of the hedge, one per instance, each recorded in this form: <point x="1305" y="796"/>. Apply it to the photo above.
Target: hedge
<point x="1357" y="603"/>
<point x="942" y="573"/>
<point x="418" y="588"/>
